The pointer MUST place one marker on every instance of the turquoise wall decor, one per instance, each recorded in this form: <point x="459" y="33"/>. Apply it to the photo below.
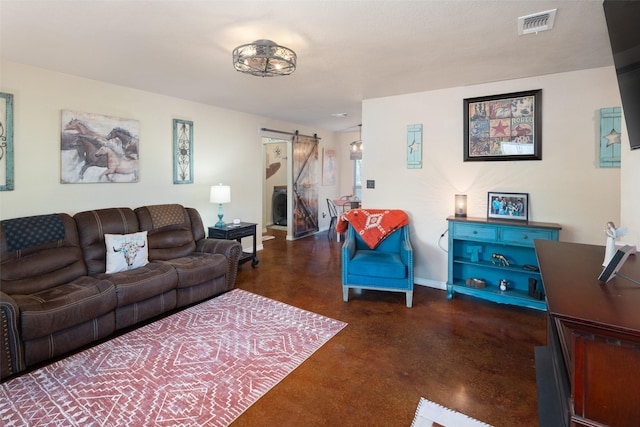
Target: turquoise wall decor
<point x="610" y="135"/>
<point x="182" y="152"/>
<point x="414" y="146"/>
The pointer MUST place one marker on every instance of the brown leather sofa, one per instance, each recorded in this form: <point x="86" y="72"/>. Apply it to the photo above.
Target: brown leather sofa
<point x="55" y="294"/>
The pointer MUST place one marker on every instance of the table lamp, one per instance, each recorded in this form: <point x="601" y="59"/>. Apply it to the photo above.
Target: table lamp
<point x="220" y="194"/>
<point x="461" y="205"/>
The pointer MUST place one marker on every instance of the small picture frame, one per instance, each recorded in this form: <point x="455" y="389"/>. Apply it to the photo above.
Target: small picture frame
<point x="503" y="127"/>
<point x="615" y="263"/>
<point x="510" y="206"/>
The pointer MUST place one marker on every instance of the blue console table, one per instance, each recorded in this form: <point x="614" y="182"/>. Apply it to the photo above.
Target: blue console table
<point x="474" y="246"/>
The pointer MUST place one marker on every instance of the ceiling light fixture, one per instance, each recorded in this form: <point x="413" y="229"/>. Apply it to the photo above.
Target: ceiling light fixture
<point x="264" y="58"/>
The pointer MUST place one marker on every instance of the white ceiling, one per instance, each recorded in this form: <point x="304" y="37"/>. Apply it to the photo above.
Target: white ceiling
<point x="347" y="50"/>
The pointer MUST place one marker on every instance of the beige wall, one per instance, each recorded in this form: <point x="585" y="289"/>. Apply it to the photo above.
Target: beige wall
<point x="566" y="187"/>
<point x="227" y="148"/>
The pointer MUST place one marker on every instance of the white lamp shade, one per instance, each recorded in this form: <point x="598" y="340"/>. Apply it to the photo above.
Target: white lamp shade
<point x="220" y="194"/>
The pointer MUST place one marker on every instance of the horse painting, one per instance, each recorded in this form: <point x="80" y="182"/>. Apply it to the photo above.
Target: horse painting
<point x="117" y="164"/>
<point x="83" y="129"/>
<point x="87" y="147"/>
<point x="129" y="142"/>
<point x="83" y="137"/>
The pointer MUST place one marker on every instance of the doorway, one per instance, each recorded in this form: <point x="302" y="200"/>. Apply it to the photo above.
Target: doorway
<point x="276" y="203"/>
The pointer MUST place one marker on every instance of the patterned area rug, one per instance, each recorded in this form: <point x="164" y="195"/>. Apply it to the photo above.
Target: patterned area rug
<point x="202" y="366"/>
<point x="431" y="414"/>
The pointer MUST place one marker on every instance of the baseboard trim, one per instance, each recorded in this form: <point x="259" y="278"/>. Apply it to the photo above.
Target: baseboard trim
<point x="430" y="283"/>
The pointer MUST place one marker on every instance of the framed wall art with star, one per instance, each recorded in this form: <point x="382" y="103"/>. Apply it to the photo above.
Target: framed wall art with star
<point x="610" y="135"/>
<point x="414" y="146"/>
<point x="503" y="127"/>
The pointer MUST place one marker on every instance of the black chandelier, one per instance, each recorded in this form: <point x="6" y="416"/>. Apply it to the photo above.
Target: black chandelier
<point x="264" y="58"/>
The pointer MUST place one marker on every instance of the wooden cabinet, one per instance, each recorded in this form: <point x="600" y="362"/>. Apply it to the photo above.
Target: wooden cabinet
<point x="474" y="246"/>
<point x="589" y="372"/>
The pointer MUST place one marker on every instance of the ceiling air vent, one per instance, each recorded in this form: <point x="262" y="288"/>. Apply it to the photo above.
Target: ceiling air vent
<point x="536" y="22"/>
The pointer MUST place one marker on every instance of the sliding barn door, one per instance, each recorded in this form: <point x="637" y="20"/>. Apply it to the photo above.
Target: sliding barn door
<point x="305" y="185"/>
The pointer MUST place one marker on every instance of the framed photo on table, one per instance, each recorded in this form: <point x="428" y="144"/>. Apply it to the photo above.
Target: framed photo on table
<point x="512" y="206"/>
<point x="503" y="127"/>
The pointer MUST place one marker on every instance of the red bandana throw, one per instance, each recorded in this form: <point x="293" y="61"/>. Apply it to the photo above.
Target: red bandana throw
<point x="373" y="225"/>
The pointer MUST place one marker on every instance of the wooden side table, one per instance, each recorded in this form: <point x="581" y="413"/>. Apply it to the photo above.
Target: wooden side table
<point x="237" y="232"/>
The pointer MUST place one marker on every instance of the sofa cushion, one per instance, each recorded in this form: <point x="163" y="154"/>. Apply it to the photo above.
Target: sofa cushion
<point x="136" y="285"/>
<point x="129" y="315"/>
<point x="32" y="231"/>
<point x="94" y="224"/>
<point x="126" y="251"/>
<point x="46" y="264"/>
<point x="166" y="215"/>
<point x="54" y="309"/>
<point x="170" y="233"/>
<point x="68" y="339"/>
<point x="378" y="264"/>
<point x="198" y="268"/>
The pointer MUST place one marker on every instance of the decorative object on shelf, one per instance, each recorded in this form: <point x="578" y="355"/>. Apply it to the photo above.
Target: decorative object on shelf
<point x="476" y="283"/>
<point x="220" y="194"/>
<point x="414" y="146"/>
<point x="610" y="136"/>
<point x="6" y="141"/>
<point x="96" y="148"/>
<point x="475" y="252"/>
<point x="504" y="284"/>
<point x="612" y="234"/>
<point x="503" y="127"/>
<point x="508" y="206"/>
<point x="264" y="58"/>
<point x="461" y="206"/>
<point x="182" y="152"/>
<point x="499" y="259"/>
<point x="533" y="290"/>
<point x="356" y="147"/>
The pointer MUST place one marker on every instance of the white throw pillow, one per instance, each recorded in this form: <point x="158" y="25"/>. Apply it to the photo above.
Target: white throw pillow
<point x="126" y="251"/>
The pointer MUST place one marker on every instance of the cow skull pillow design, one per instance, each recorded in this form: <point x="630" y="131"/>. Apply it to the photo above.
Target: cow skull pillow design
<point x="126" y="251"/>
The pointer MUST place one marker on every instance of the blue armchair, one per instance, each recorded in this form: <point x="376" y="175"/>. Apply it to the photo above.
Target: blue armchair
<point x="388" y="267"/>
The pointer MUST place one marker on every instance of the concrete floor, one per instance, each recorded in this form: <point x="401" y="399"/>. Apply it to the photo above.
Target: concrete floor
<point x="469" y="355"/>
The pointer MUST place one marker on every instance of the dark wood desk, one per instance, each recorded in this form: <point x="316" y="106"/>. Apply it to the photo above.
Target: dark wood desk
<point x="589" y="373"/>
<point x="237" y="232"/>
